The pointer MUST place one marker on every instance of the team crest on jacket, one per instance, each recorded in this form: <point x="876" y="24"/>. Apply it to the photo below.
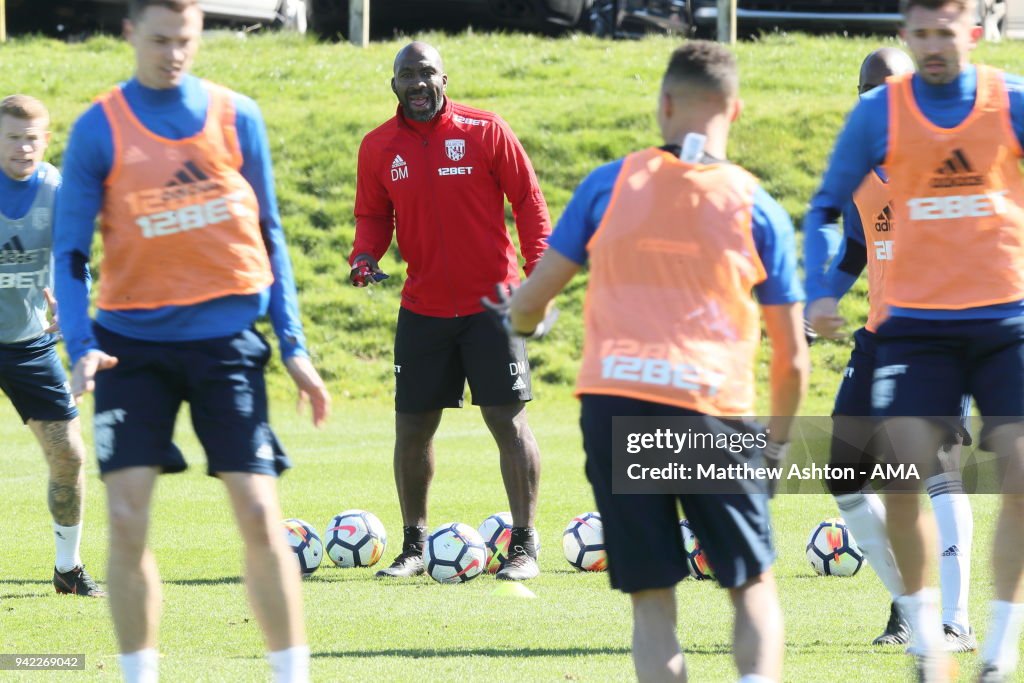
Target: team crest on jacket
<point x="456" y="149"/>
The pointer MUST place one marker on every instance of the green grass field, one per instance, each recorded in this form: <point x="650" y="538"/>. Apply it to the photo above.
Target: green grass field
<point x="362" y="629"/>
<point x="575" y="103"/>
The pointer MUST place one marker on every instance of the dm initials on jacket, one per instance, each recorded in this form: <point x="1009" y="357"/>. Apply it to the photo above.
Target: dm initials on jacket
<point x="669" y="314"/>
<point x="957" y="196"/>
<point x="180" y="224"/>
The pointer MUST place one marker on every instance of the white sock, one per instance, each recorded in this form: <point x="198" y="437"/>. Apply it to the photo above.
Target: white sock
<point x="140" y="667"/>
<point x="67" y="538"/>
<point x="1000" y="648"/>
<point x="921" y="609"/>
<point x="754" y="678"/>
<point x="956" y="530"/>
<point x="864" y="514"/>
<point x="291" y="665"/>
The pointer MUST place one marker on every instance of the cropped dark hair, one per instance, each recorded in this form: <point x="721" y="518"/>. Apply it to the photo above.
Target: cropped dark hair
<point x="705" y="65"/>
<point x="137" y="7"/>
<point x="907" y="5"/>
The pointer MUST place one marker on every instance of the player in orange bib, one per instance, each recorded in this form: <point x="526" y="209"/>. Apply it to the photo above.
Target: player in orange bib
<point x="179" y="171"/>
<point x="679" y="242"/>
<point x="868" y="229"/>
<point x="950" y="138"/>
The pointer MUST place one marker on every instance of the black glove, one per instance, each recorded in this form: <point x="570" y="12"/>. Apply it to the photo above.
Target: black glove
<point x="365" y="272"/>
<point x="809" y="332"/>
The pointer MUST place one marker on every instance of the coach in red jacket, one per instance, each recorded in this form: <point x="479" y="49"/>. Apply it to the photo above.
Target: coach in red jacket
<point x="439" y="172"/>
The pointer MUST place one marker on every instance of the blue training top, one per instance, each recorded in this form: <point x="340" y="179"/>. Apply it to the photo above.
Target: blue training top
<point x="175" y="113"/>
<point x="772" y="232"/>
<point x="861" y="147"/>
<point x="16" y="196"/>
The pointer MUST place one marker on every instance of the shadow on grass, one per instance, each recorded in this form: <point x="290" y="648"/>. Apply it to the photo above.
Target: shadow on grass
<point x="26" y="582"/>
<point x="21" y="596"/>
<point x="221" y="581"/>
<point x="421" y="653"/>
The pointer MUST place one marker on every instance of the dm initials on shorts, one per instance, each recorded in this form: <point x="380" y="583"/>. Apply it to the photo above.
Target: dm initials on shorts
<point x="661" y="372"/>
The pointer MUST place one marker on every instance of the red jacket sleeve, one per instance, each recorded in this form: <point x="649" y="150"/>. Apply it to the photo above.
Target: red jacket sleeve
<point x="375" y="215"/>
<point x="515" y="174"/>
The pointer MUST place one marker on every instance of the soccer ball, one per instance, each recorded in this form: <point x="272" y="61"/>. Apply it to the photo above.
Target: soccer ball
<point x="454" y="553"/>
<point x="583" y="543"/>
<point x="305" y="543"/>
<point x="832" y="551"/>
<point x="355" y="538"/>
<point x="700" y="568"/>
<point x="496" y="531"/>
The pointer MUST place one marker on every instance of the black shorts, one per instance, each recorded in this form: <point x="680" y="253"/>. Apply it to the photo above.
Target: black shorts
<point x="641" y="531"/>
<point x="923" y="368"/>
<point x="435" y="356"/>
<point x="853" y="427"/>
<point x="137" y="404"/>
<point x="32" y="376"/>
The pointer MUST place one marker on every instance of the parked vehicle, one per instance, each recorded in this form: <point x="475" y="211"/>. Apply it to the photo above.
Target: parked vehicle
<point x="833" y="15"/>
<point x="326" y="17"/>
<point x="330" y="17"/>
<point x="72" y="17"/>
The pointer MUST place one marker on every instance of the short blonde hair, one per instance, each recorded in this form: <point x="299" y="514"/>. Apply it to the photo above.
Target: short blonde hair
<point x="24" y="107"/>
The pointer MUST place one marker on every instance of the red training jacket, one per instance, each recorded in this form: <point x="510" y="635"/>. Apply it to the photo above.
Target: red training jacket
<point x="442" y="184"/>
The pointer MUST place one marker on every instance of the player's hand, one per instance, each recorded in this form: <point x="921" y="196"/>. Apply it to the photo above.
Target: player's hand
<point x="366" y="271"/>
<point x="774" y="456"/>
<point x="51" y="304"/>
<point x="311" y="388"/>
<point x="824" y="318"/>
<point x="83" y="375"/>
<point x="499" y="307"/>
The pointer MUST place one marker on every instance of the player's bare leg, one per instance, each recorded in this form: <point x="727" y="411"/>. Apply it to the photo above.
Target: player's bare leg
<point x="64" y="450"/>
<point x="62" y="445"/>
<point x="656" y="652"/>
<point x="915" y="441"/>
<point x="135" y="595"/>
<point x="757" y="630"/>
<point x="1000" y="651"/>
<point x="414" y="470"/>
<point x="520" y="470"/>
<point x="272" y="578"/>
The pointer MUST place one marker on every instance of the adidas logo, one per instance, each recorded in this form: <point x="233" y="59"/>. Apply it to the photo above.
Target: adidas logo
<point x="519" y="384"/>
<point x="883" y="222"/>
<point x="399" y="169"/>
<point x="951" y="551"/>
<point x="189" y="173"/>
<point x="14" y="253"/>
<point x="14" y="244"/>
<point x="134" y="155"/>
<point x="956" y="171"/>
